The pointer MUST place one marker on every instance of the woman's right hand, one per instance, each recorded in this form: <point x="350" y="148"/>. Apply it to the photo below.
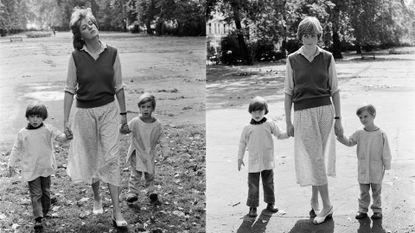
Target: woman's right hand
<point x="290" y="129"/>
<point x="68" y="131"/>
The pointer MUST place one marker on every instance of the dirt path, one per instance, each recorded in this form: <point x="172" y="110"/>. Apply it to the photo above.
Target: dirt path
<point x="387" y="82"/>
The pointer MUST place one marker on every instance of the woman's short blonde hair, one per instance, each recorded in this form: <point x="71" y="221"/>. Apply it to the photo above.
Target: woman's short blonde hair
<point x="309" y="26"/>
<point x="78" y="15"/>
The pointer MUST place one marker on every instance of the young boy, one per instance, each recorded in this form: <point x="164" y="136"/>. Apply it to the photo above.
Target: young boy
<point x="146" y="134"/>
<point x="373" y="157"/>
<point x="257" y="136"/>
<point x="34" y="147"/>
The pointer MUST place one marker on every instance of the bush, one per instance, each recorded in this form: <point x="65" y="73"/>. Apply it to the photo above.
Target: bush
<point x="263" y="50"/>
<point x="38" y="34"/>
<point x="231" y="52"/>
<point x="292" y="45"/>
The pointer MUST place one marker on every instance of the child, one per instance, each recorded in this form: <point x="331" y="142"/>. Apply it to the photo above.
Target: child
<point x="146" y="135"/>
<point x="257" y="136"/>
<point x="374" y="157"/>
<point x="34" y="147"/>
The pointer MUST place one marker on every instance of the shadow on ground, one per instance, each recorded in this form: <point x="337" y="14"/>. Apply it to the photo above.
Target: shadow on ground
<point x="249" y="224"/>
<point x="364" y="226"/>
<point x="306" y="226"/>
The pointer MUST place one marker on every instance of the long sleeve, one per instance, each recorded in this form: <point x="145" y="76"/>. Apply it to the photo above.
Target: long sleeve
<point x="289" y="81"/>
<point x="71" y="82"/>
<point x="333" y="77"/>
<point x="57" y="134"/>
<point x="277" y="132"/>
<point x="17" y="151"/>
<point x="386" y="154"/>
<point x="351" y="141"/>
<point x="242" y="143"/>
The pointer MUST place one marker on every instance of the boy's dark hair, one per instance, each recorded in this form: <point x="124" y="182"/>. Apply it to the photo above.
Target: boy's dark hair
<point x="369" y="108"/>
<point x="37" y="110"/>
<point x="257" y="104"/>
<point x="147" y="97"/>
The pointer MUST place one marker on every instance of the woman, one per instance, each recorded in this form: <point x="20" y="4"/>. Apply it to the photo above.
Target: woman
<point x="94" y="76"/>
<point x="311" y="89"/>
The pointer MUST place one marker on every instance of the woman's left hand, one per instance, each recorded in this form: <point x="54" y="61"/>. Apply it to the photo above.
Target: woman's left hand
<point x="338" y="128"/>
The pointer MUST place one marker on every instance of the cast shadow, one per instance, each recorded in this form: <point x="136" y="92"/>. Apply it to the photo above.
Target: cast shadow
<point x="364" y="226"/>
<point x="307" y="226"/>
<point x="249" y="225"/>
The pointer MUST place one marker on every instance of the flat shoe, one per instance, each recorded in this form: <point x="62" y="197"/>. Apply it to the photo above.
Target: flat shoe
<point x="376" y="216"/>
<point x="252" y="213"/>
<point x="119" y="223"/>
<point x="321" y="219"/>
<point x="98" y="208"/>
<point x="360" y="215"/>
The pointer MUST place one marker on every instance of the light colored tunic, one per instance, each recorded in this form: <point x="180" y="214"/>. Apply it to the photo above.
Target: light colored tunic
<point x="373" y="154"/>
<point x="34" y="148"/>
<point x="144" y="139"/>
<point x="257" y="139"/>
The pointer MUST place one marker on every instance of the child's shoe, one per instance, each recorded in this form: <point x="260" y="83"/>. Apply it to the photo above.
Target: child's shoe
<point x="271" y="208"/>
<point x="252" y="212"/>
<point x="376" y="216"/>
<point x="360" y="215"/>
<point x="131" y="197"/>
<point x="154" y="199"/>
<point x="38" y="223"/>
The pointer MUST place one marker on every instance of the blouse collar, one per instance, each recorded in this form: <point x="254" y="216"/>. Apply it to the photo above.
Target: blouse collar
<point x="102" y="48"/>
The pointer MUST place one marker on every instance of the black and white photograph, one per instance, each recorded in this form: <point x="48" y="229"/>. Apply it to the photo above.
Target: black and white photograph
<point x="308" y="113"/>
<point x="103" y="116"/>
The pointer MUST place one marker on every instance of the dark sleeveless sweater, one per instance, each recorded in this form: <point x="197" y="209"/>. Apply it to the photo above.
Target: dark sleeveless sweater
<point x="95" y="78"/>
<point x="311" y="80"/>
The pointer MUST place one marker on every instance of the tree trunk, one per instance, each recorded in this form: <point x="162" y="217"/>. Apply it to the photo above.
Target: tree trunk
<point x="241" y="41"/>
<point x="337" y="47"/>
<point x="358" y="48"/>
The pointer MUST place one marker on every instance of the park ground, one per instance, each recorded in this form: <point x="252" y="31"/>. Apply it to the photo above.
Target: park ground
<point x="173" y="69"/>
<point x="387" y="82"/>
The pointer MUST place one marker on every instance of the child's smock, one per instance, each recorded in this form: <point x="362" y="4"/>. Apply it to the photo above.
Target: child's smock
<point x="34" y="148"/>
<point x="257" y="139"/>
<point x="373" y="154"/>
<point x="144" y="138"/>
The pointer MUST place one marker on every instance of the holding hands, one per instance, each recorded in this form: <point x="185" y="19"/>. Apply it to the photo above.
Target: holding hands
<point x="290" y="129"/>
<point x="338" y="128"/>
<point x="124" y="125"/>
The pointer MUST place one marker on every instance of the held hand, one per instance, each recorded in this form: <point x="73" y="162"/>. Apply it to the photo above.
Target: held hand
<point x="124" y="129"/>
<point x="68" y="133"/>
<point x="290" y="129"/>
<point x="338" y="128"/>
<point x="240" y="162"/>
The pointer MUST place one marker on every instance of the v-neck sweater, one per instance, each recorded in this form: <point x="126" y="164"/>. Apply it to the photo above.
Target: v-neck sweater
<point x="95" y="78"/>
<point x="311" y="80"/>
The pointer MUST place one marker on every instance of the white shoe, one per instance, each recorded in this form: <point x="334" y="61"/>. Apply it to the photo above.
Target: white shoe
<point x="98" y="208"/>
<point x="320" y="219"/>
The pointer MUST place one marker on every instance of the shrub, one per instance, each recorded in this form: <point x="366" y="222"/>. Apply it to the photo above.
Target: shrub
<point x="38" y="34"/>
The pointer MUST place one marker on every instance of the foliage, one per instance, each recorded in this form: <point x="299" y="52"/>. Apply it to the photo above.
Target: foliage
<point x="345" y="23"/>
<point x="164" y="17"/>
